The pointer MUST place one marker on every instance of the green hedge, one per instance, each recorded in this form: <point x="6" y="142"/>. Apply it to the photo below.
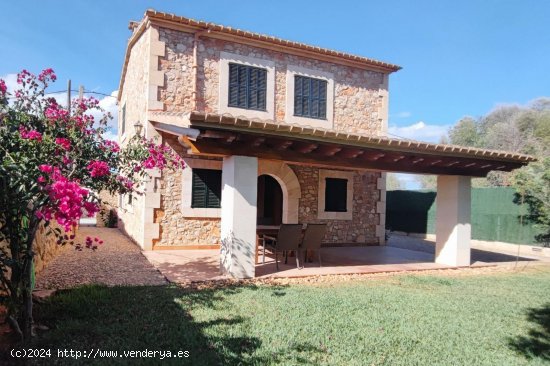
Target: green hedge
<point x="495" y="215"/>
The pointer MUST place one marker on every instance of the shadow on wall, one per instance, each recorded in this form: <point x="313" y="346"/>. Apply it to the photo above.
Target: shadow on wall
<point x="536" y="345"/>
<point x="237" y="256"/>
<point x="408" y="210"/>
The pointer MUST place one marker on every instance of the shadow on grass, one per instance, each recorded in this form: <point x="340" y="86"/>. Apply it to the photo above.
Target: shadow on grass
<point x="537" y="343"/>
<point x="154" y="318"/>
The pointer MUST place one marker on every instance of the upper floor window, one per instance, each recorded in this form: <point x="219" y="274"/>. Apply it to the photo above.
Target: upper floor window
<point x="310" y="97"/>
<point x="247" y="87"/>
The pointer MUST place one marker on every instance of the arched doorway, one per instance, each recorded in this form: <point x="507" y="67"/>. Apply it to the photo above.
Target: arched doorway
<point x="270" y="201"/>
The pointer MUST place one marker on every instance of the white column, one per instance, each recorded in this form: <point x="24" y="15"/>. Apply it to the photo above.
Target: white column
<point x="452" y="227"/>
<point x="238" y="224"/>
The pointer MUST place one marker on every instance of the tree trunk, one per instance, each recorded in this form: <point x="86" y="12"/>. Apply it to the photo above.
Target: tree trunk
<point x="26" y="281"/>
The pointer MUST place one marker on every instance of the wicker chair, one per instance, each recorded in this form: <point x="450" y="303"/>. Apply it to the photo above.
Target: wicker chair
<point x="312" y="239"/>
<point x="288" y="238"/>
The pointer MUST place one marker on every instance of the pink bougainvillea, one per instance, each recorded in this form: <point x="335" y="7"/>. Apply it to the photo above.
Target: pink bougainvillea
<point x="64" y="143"/>
<point x="98" y="169"/>
<point x="29" y="134"/>
<point x="3" y="87"/>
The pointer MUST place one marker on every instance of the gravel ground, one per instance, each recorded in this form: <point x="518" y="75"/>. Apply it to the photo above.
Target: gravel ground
<point x="116" y="262"/>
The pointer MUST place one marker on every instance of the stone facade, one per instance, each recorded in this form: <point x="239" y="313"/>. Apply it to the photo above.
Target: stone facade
<point x="360" y="96"/>
<point x="179" y="231"/>
<point x="175" y="228"/>
<point x="160" y="75"/>
<point x="362" y="227"/>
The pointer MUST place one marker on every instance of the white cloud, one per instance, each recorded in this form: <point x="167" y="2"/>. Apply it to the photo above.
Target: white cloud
<point x="404" y="114"/>
<point x="108" y="103"/>
<point x="419" y="131"/>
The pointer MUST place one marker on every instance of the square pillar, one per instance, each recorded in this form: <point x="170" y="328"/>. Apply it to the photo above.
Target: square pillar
<point x="452" y="227"/>
<point x="238" y="223"/>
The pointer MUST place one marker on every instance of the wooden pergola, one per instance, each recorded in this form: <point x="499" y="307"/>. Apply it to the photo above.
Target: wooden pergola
<point x="241" y="142"/>
<point x="224" y="135"/>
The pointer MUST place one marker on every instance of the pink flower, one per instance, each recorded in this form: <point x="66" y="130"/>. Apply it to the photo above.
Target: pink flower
<point x="41" y="179"/>
<point x="29" y="135"/>
<point x="98" y="168"/>
<point x="47" y="74"/>
<point x="91" y="208"/>
<point x="66" y="160"/>
<point x="44" y="168"/>
<point x="3" y="87"/>
<point x="63" y="142"/>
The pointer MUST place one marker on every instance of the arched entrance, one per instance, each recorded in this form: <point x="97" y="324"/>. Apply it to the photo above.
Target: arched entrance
<point x="270" y="201"/>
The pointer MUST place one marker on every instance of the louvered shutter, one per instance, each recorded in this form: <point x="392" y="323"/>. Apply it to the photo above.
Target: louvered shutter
<point x="198" y="197"/>
<point x="206" y="190"/>
<point x="233" y="85"/>
<point x="310" y="97"/>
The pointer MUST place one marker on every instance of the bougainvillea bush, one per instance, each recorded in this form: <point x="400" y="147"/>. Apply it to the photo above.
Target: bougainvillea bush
<point x="54" y="161"/>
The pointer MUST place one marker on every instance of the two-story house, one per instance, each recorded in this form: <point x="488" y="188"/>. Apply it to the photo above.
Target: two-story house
<point x="273" y="132"/>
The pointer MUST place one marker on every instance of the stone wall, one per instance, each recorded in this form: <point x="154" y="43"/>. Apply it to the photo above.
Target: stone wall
<point x="175" y="228"/>
<point x="362" y="227"/>
<point x="45" y="248"/>
<point x="178" y="230"/>
<point x="108" y="202"/>
<point x="135" y="97"/>
<point x="360" y="96"/>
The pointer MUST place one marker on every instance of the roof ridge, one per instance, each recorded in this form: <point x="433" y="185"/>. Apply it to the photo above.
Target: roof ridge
<point x="151" y="13"/>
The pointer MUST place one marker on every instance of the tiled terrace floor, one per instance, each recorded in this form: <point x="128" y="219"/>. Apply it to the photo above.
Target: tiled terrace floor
<point x="198" y="265"/>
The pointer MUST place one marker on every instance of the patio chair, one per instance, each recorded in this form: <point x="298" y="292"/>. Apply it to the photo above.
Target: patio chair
<point x="312" y="239"/>
<point x="288" y="238"/>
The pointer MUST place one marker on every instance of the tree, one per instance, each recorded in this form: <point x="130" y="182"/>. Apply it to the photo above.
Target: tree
<point x="52" y="160"/>
<point x="465" y="133"/>
<point x="393" y="183"/>
<point x="533" y="187"/>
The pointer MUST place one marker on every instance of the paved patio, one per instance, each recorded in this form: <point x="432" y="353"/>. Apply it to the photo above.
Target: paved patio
<point x="182" y="266"/>
<point x="402" y="254"/>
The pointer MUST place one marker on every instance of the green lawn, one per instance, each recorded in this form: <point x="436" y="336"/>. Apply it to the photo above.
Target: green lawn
<point x="497" y="319"/>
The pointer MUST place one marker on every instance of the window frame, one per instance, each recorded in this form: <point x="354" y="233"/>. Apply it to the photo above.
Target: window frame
<point x="310" y="97"/>
<point x="328" y="194"/>
<point x="328" y="121"/>
<point x="187" y="186"/>
<point x="223" y="89"/>
<point x="322" y="214"/>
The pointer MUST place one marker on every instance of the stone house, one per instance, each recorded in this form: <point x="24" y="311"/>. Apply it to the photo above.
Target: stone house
<point x="272" y="132"/>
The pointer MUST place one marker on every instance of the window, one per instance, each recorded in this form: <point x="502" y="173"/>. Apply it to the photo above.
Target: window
<point x="207" y="188"/>
<point x="247" y="87"/>
<point x="310" y="97"/>
<point x="336" y="191"/>
<point x="123" y="118"/>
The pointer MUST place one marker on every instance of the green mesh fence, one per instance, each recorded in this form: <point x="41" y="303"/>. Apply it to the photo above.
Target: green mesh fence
<point x="495" y="215"/>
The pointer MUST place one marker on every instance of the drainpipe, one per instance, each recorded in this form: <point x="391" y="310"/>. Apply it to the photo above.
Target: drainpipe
<point x="196" y="67"/>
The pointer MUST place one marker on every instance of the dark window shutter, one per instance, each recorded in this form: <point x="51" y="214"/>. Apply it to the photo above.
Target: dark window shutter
<point x="247" y="87"/>
<point x="206" y="189"/>
<point x="336" y="195"/>
<point x="310" y="97"/>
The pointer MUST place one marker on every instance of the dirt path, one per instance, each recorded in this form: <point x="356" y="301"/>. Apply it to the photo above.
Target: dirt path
<point x="116" y="262"/>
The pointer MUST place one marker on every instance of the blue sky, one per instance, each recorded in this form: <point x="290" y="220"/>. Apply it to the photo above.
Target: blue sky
<point x="458" y="57"/>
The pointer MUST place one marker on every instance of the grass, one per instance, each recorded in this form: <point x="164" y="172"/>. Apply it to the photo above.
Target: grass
<point x="498" y="319"/>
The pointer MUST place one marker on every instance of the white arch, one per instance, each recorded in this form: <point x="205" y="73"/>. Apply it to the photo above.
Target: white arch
<point x="289" y="185"/>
